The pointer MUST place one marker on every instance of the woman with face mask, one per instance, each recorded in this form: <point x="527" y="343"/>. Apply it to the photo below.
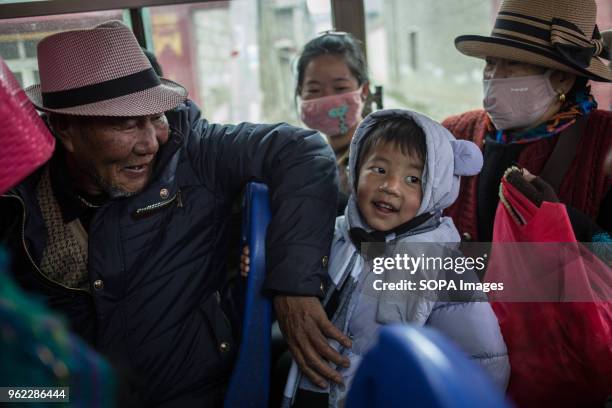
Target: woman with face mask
<point x="539" y="112"/>
<point x="332" y="86"/>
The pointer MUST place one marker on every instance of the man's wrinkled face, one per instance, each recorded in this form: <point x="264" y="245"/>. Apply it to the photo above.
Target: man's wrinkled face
<point x="114" y="155"/>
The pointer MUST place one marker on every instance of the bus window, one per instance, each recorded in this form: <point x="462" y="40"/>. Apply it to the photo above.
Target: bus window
<point x="411" y="53"/>
<point x="20" y="36"/>
<point x="236" y="57"/>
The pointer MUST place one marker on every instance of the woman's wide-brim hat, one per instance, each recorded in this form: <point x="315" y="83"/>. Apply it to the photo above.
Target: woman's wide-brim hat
<point x="606" y="36"/>
<point x="100" y="72"/>
<point x="557" y="34"/>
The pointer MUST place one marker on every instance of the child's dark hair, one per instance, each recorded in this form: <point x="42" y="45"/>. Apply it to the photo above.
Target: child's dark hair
<point x="399" y="131"/>
<point x="341" y="44"/>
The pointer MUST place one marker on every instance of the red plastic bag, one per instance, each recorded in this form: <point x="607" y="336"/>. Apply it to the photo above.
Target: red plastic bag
<point x="560" y="351"/>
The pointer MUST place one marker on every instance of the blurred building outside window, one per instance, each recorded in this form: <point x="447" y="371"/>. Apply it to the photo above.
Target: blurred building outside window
<point x="411" y="53"/>
<point x="236" y="58"/>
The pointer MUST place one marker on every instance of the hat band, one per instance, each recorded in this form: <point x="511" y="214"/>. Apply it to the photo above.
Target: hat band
<point x="101" y="91"/>
<point x="518" y="24"/>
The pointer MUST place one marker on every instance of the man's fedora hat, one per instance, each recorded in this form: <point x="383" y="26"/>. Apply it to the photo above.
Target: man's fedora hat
<point x="100" y="72"/>
<point x="558" y="34"/>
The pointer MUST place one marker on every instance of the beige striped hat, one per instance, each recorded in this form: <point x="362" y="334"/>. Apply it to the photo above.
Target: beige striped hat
<point x="558" y="34"/>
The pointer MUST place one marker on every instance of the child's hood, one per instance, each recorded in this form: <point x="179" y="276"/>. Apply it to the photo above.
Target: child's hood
<point x="447" y="158"/>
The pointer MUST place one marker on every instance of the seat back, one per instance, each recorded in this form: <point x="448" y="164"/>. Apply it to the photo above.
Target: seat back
<point x="26" y="141"/>
<point x="250" y="381"/>
<point x="416" y="366"/>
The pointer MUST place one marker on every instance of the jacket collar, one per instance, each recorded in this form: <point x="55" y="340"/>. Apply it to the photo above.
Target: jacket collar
<point x="163" y="187"/>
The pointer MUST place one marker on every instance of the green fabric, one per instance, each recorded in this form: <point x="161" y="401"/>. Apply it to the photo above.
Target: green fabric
<point x="37" y="350"/>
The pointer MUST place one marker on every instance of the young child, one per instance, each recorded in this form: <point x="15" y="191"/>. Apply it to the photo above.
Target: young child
<point x="404" y="169"/>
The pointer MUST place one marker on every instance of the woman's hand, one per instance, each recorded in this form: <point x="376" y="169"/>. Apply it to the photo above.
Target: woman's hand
<point x="532" y="187"/>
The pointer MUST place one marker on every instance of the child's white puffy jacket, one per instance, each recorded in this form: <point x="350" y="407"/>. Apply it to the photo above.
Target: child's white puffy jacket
<point x="360" y="312"/>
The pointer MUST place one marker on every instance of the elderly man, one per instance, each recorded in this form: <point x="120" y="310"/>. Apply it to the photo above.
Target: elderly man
<point x="124" y="232"/>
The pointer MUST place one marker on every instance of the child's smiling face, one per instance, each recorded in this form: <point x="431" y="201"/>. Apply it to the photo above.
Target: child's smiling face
<point x="389" y="191"/>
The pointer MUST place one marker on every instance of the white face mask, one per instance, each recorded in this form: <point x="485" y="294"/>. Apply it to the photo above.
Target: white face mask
<point x="518" y="102"/>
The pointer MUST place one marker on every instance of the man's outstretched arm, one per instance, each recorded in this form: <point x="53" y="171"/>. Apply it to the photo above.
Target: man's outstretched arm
<point x="299" y="168"/>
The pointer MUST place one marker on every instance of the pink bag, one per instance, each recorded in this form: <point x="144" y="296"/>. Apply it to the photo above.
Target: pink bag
<point x="26" y="141"/>
<point x="557" y="326"/>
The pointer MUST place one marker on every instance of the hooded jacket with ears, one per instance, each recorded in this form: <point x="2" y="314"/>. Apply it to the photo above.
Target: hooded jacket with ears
<point x="471" y="325"/>
<point x="440" y="180"/>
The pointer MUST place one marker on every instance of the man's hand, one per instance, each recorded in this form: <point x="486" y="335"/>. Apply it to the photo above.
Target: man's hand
<point x="306" y="328"/>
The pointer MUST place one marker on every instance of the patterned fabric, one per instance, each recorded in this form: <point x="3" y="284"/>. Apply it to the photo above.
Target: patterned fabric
<point x="601" y="246"/>
<point x="566" y="117"/>
<point x="602" y="237"/>
<point x="65" y="257"/>
<point x="36" y="349"/>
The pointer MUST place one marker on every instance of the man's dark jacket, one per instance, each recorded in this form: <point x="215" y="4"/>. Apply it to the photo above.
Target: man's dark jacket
<point x="161" y="258"/>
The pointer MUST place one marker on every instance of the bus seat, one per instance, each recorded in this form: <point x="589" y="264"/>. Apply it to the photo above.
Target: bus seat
<point x="416" y="366"/>
<point x="250" y="380"/>
<point x="19" y="121"/>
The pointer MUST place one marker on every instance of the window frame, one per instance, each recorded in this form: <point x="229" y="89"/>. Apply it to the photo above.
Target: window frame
<point x="347" y="15"/>
<point x="45" y="8"/>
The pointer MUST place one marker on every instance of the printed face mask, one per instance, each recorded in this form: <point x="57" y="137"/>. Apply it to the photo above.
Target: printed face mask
<point x="518" y="102"/>
<point x="332" y="115"/>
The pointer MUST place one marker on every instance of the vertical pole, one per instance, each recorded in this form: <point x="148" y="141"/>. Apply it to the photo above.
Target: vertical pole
<point x="138" y="26"/>
<point x="349" y="16"/>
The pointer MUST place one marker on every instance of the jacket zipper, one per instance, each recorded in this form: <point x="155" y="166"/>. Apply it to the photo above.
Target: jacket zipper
<point x="159" y="205"/>
<point x="25" y="248"/>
